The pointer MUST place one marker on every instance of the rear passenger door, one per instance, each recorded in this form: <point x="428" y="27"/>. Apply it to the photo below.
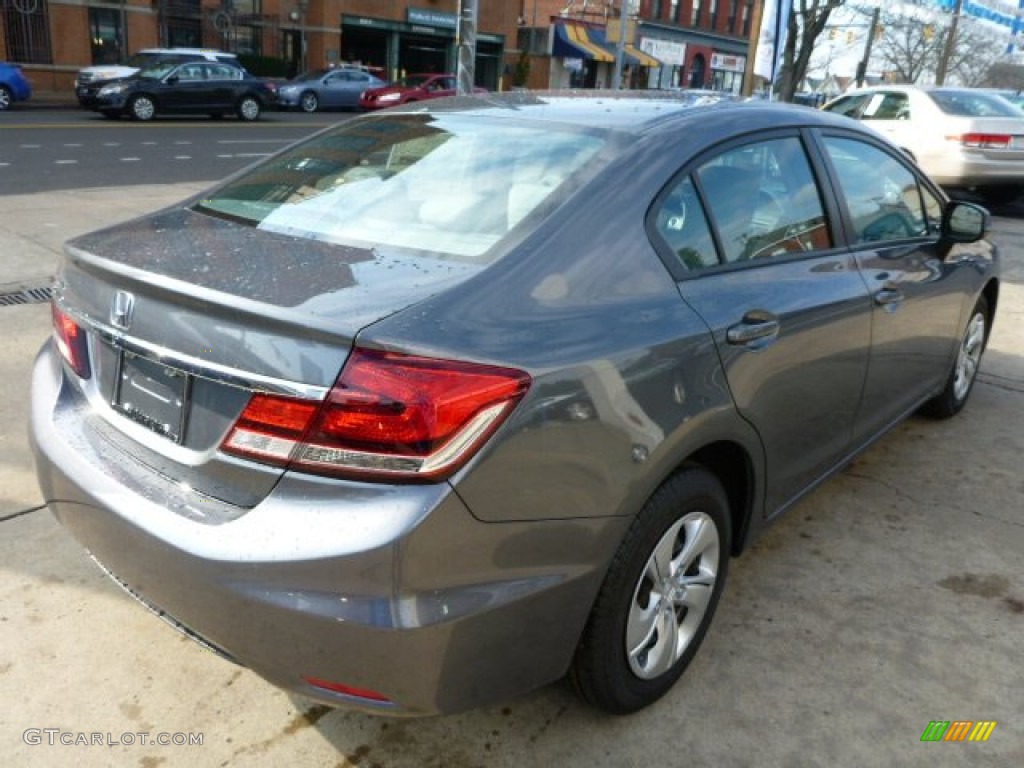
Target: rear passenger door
<point x="747" y="232"/>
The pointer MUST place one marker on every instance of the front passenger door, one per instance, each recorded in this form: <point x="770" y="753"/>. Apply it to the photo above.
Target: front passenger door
<point x="918" y="295"/>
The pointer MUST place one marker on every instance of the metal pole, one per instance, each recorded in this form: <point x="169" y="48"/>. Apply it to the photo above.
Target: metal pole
<point x="466" y="42"/>
<point x="947" y="50"/>
<point x="620" y="48"/>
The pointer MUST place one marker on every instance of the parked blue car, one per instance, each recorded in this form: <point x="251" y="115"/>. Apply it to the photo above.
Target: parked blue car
<point x="13" y="85"/>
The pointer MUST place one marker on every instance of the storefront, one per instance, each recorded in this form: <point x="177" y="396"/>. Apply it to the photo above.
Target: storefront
<point x="424" y="42"/>
<point x="582" y="57"/>
<point x="727" y="72"/>
<point x="693" y="58"/>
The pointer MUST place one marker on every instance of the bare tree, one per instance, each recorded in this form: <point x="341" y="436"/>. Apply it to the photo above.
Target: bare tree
<point x="807" y="20"/>
<point x="909" y="47"/>
<point x="974" y="53"/>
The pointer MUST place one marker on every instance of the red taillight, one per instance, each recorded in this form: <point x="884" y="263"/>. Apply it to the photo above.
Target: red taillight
<point x="393" y="415"/>
<point x="348" y="690"/>
<point x="72" y="342"/>
<point x="983" y="140"/>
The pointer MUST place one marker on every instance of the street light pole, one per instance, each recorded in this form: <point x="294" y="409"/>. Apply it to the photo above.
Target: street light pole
<point x="466" y="44"/>
<point x="947" y="49"/>
<point x="620" y="48"/>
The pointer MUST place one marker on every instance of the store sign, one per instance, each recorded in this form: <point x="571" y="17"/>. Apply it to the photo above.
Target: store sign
<point x="573" y="65"/>
<point x="432" y="18"/>
<point x="728" y="63"/>
<point x="668" y="53"/>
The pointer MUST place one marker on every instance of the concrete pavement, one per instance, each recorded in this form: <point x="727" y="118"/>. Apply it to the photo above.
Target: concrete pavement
<point x="891" y="597"/>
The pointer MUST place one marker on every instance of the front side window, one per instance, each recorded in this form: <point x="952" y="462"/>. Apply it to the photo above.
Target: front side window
<point x="764" y="201"/>
<point x="443" y="186"/>
<point x="882" y="194"/>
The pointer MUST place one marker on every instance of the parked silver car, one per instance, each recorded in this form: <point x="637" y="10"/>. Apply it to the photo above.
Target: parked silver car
<point x="451" y="401"/>
<point x="327" y="88"/>
<point x="961" y="137"/>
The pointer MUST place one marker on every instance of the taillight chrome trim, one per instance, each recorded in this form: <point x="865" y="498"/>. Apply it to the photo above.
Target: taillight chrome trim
<point x="199" y="367"/>
<point x="349" y="461"/>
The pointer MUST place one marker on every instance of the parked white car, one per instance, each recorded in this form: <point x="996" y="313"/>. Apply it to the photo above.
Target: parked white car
<point x="962" y="137"/>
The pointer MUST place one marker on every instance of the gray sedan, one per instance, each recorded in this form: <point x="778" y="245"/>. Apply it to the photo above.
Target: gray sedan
<point x="453" y="401"/>
<point x="327" y="88"/>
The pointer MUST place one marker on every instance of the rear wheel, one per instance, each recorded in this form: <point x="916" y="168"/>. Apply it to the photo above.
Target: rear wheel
<point x="1002" y="195"/>
<point x="965" y="369"/>
<point x="6" y="98"/>
<point x="142" y="108"/>
<point x="658" y="597"/>
<point x="309" y="102"/>
<point x="249" y="108"/>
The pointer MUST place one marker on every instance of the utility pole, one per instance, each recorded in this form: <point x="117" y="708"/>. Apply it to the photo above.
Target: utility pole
<point x="947" y="50"/>
<point x="862" y="67"/>
<point x="620" y="48"/>
<point x="466" y="42"/>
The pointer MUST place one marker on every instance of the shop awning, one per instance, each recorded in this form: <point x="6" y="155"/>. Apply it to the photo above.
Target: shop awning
<point x="642" y="58"/>
<point x="633" y="55"/>
<point x="578" y="42"/>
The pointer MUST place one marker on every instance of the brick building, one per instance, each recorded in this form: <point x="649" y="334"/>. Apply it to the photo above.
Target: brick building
<point x="677" y="43"/>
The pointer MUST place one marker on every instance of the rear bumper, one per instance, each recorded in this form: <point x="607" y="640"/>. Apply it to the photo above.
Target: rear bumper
<point x="396" y="590"/>
<point x="963" y="168"/>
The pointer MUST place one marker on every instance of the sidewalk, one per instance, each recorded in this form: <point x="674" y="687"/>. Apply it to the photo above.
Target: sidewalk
<point x="34" y="227"/>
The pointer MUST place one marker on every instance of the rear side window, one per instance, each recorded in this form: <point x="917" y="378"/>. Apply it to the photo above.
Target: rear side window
<point x="681" y="222"/>
<point x="973" y="104"/>
<point x="763" y="201"/>
<point x="882" y="195"/>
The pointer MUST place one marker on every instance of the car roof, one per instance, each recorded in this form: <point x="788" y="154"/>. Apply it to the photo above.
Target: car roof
<point x="629" y="111"/>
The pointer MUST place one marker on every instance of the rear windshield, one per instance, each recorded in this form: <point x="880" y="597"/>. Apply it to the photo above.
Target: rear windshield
<point x="973" y="104"/>
<point x="450" y="186"/>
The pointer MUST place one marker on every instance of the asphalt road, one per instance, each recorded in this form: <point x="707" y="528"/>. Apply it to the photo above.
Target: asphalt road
<point x="46" y="150"/>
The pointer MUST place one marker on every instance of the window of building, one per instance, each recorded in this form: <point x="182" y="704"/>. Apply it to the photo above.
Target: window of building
<point x="695" y="14"/>
<point x="106" y="36"/>
<point x="656" y="8"/>
<point x="746" y="17"/>
<point x="27" y="32"/>
<point x="714" y="14"/>
<point x="674" y="10"/>
<point x="732" y="17"/>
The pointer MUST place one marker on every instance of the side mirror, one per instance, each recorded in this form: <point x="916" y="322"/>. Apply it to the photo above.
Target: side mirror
<point x="172" y="79"/>
<point x="964" y="222"/>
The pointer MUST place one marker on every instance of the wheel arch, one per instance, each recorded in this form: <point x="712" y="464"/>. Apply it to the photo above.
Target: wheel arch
<point x="991" y="294"/>
<point x="733" y="467"/>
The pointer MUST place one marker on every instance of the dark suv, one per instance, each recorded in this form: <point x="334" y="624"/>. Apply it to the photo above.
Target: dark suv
<point x="91" y="79"/>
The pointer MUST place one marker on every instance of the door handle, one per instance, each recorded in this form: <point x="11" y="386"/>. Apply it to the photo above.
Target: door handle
<point x="888" y="296"/>
<point x="756" y="329"/>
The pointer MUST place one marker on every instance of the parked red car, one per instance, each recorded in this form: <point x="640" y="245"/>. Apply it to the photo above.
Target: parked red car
<point x="411" y="88"/>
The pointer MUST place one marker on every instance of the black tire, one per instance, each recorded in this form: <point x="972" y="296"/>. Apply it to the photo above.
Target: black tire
<point x="1002" y="195"/>
<point x="249" y="108"/>
<point x="142" y="108"/>
<point x="689" y="509"/>
<point x="965" y="368"/>
<point x="309" y="102"/>
<point x="6" y="98"/>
